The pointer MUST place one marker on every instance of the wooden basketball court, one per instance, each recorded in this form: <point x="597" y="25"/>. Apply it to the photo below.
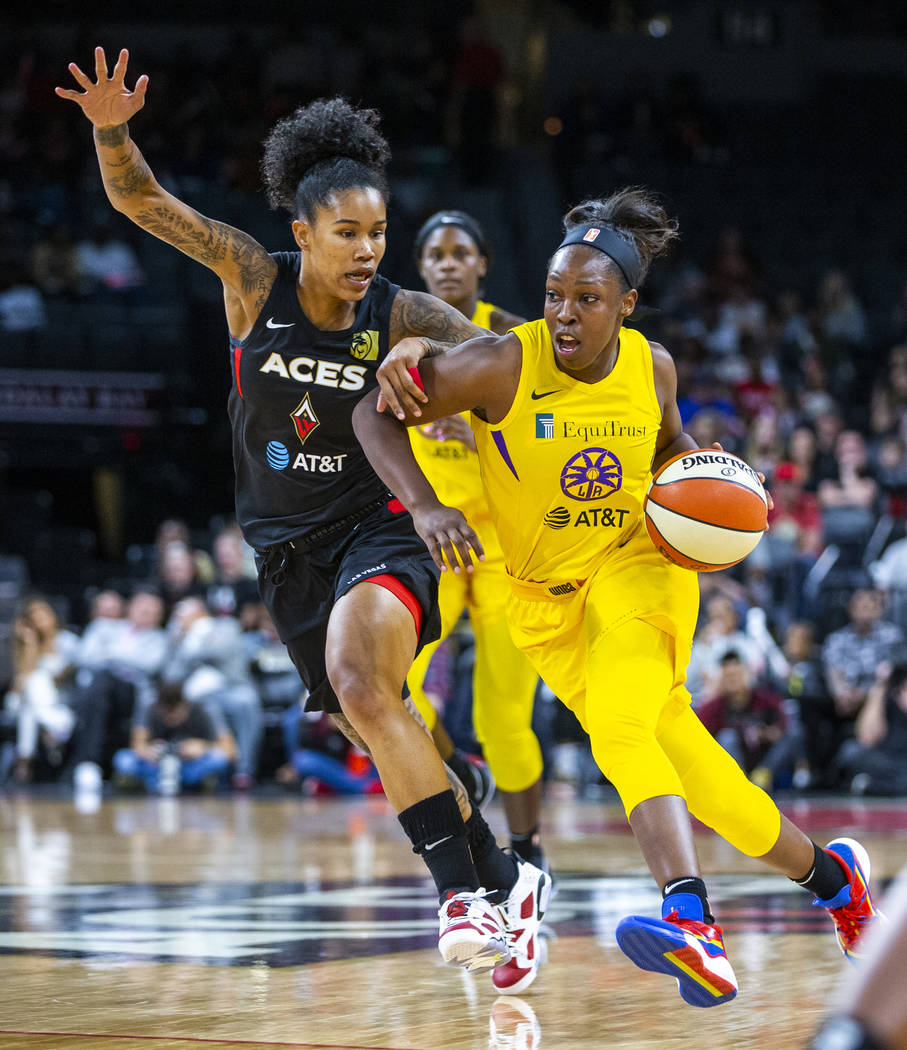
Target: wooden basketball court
<point x="243" y="923"/>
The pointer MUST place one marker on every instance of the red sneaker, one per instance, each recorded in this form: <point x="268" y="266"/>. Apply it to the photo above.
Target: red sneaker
<point x="684" y="946"/>
<point x="471" y="932"/>
<point x="851" y="908"/>
<point x="522" y="913"/>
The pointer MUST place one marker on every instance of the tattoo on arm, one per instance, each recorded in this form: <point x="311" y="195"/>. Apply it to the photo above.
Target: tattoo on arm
<point x="134" y="175"/>
<point x="441" y="325"/>
<point x="112" y="136"/>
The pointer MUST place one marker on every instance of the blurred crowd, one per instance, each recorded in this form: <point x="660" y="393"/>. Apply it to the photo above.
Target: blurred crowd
<point x="787" y="321"/>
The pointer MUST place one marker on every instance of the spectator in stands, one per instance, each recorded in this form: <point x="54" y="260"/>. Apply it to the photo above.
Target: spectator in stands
<point x="21" y="303"/>
<point x="801" y="452"/>
<point x="750" y="723"/>
<point x="208" y="658"/>
<point x="853" y="484"/>
<point x="889" y="573"/>
<point x="178" y="575"/>
<point x="794" y="539"/>
<point x="108" y="265"/>
<point x="840" y="318"/>
<point x="852" y="655"/>
<point x="719" y="632"/>
<point x="322" y="760"/>
<point x="827" y="426"/>
<point x="233" y="586"/>
<point x="175" y="731"/>
<point x="875" y="761"/>
<point x="173" y="530"/>
<point x="55" y="263"/>
<point x="273" y="671"/>
<point x="815" y="708"/>
<point x="43" y="655"/>
<point x="118" y="661"/>
<point x="764" y="445"/>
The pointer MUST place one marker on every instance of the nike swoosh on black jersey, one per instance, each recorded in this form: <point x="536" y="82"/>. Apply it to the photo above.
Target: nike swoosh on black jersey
<point x="535" y="395"/>
<point x="271" y="323"/>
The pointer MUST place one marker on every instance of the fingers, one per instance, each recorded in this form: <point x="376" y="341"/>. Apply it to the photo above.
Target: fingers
<point x="100" y="64"/>
<point x="140" y="86"/>
<point x="81" y="78"/>
<point x="455" y="547"/>
<point x="400" y="392"/>
<point x="119" y="70"/>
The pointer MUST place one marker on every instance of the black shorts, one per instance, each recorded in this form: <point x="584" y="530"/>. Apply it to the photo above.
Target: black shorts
<point x="299" y="586"/>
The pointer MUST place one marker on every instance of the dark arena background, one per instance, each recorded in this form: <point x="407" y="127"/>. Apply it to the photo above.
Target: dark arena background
<point x="270" y="910"/>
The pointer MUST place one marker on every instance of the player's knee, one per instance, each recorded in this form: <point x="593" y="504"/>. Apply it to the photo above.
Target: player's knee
<point x="515" y="760"/>
<point x="363" y="698"/>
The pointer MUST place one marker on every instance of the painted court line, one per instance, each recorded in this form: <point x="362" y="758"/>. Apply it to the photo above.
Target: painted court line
<point x="196" y="1039"/>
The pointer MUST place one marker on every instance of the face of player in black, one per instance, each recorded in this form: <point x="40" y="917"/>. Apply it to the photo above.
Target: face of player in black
<point x="452" y="266"/>
<point x="584" y="309"/>
<point x="343" y="243"/>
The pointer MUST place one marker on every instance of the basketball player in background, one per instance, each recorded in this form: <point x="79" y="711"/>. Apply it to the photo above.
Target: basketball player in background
<point x="453" y="257"/>
<point x="572" y="414"/>
<point x="342" y="570"/>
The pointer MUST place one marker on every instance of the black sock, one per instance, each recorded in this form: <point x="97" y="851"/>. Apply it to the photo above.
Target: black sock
<point x="438" y="834"/>
<point x="528" y="846"/>
<point x="690" y="884"/>
<point x="496" y="870"/>
<point x="825" y="878"/>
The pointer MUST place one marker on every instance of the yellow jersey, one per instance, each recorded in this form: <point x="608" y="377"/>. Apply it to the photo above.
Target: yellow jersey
<point x="451" y="467"/>
<point x="566" y="471"/>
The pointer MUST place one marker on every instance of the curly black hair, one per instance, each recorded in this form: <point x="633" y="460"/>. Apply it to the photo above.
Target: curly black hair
<point x="634" y="212"/>
<point x="324" y="147"/>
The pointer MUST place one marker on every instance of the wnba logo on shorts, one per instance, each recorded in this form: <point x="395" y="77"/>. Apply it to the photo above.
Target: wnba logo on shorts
<point x="561" y="588"/>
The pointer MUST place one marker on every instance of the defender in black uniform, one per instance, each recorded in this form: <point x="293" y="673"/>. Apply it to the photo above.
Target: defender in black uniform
<point x="344" y="573"/>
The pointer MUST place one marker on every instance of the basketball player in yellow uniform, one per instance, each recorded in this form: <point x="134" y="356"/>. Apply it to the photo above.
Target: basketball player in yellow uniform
<point x="453" y="257"/>
<point x="572" y="414"/>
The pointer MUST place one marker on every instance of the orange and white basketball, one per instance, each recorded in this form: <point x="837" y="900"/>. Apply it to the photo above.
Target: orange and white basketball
<point x="705" y="510"/>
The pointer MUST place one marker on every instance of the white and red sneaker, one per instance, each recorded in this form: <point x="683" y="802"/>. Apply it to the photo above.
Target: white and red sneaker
<point x="522" y="913"/>
<point x="471" y="932"/>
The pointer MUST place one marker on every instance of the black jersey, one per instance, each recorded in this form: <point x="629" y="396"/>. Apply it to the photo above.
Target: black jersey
<point x="298" y="463"/>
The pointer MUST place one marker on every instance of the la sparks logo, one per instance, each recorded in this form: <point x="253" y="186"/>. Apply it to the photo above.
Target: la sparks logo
<point x="304" y="419"/>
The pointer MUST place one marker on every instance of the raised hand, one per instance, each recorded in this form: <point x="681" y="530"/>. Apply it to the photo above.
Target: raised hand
<point x="107" y="102"/>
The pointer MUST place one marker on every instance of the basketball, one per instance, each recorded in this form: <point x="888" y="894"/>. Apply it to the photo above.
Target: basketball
<point x="705" y="510"/>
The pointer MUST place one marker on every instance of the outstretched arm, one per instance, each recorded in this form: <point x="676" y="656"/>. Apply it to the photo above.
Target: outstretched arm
<point x="421" y="325"/>
<point x="246" y="269"/>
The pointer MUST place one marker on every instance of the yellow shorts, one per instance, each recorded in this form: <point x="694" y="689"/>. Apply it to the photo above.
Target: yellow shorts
<point x="617" y="658"/>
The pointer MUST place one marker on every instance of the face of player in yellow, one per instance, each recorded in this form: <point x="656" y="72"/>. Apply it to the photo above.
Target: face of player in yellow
<point x="452" y="267"/>
<point x="584" y="309"/>
<point x="343" y="244"/>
